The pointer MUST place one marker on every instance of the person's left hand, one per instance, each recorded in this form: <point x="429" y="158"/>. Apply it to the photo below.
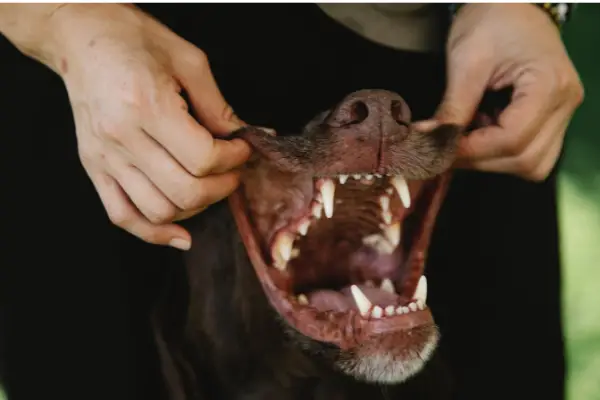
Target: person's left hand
<point x="493" y="46"/>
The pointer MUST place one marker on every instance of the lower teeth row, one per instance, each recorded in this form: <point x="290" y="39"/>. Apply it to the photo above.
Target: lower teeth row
<point x="367" y="309"/>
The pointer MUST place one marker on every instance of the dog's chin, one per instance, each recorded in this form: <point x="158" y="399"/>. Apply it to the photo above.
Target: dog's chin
<point x="372" y="362"/>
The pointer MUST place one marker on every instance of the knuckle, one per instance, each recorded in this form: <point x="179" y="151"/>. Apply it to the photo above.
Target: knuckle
<point x="539" y="176"/>
<point x="162" y="215"/>
<point x="570" y="86"/>
<point x="199" y="60"/>
<point x="198" y="169"/>
<point x="120" y="217"/>
<point x="228" y="114"/>
<point x="88" y="157"/>
<point x="514" y="145"/>
<point x="525" y="166"/>
<point x="578" y="92"/>
<point x="192" y="199"/>
<point x="200" y="165"/>
<point x="112" y="131"/>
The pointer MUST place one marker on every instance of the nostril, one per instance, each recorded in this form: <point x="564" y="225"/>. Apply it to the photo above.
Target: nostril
<point x="358" y="113"/>
<point x="399" y="113"/>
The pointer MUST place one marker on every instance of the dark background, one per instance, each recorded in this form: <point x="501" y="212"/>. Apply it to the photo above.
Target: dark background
<point x="76" y="290"/>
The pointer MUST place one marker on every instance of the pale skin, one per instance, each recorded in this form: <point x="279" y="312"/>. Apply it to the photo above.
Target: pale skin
<point x="152" y="164"/>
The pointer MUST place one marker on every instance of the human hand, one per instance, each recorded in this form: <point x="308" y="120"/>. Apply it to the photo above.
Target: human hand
<point x="494" y="46"/>
<point x="149" y="160"/>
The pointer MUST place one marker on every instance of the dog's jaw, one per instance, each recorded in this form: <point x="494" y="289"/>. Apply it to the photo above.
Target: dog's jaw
<point x="385" y="343"/>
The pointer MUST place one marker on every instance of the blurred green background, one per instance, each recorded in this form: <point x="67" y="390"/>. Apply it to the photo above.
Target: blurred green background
<point x="579" y="212"/>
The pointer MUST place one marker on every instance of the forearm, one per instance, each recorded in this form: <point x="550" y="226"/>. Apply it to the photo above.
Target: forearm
<point x="49" y="33"/>
<point x="29" y="28"/>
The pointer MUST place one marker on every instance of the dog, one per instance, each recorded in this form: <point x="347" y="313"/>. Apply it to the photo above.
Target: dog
<point x="309" y="281"/>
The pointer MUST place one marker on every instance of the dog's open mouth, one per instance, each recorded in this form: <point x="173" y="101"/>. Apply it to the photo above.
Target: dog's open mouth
<point x="348" y="262"/>
<point x="356" y="249"/>
<point x="337" y="221"/>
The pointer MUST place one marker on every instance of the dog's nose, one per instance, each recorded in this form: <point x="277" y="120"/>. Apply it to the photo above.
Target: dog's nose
<point x="373" y="108"/>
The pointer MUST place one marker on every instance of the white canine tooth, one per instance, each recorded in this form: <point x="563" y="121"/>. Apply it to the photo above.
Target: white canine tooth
<point x="384" y="201"/>
<point x="401" y="187"/>
<point x="362" y="302"/>
<point x="392" y="232"/>
<point x="356" y="176"/>
<point x="343" y="179"/>
<point x="317" y="210"/>
<point x="405" y="310"/>
<point x="283" y="245"/>
<point x="303" y="227"/>
<point x="377" y="312"/>
<point x="421" y="290"/>
<point x="388" y="286"/>
<point x="420" y="305"/>
<point x="369" y="177"/>
<point x="412" y="306"/>
<point x="328" y="192"/>
<point x="389" y="311"/>
<point x="386" y="216"/>
<point x="302" y="299"/>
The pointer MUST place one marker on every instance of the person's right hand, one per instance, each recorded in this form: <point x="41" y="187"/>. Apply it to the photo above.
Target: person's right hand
<point x="149" y="160"/>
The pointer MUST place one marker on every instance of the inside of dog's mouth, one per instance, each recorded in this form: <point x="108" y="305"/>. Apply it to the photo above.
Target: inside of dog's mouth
<point x="357" y="247"/>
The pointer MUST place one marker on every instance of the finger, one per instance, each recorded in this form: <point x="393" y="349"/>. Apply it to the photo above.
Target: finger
<point x="193" y="71"/>
<point x="189" y="214"/>
<point x="532" y="162"/>
<point x="467" y="82"/>
<point x="546" y="166"/>
<point x="193" y="146"/>
<point x="149" y="200"/>
<point x="517" y="126"/>
<point x="124" y="215"/>
<point x="184" y="190"/>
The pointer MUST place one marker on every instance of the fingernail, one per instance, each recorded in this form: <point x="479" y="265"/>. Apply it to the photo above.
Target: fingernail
<point x="180" y="244"/>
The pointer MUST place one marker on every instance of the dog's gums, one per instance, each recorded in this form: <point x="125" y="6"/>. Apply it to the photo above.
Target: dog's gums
<point x="336" y="222"/>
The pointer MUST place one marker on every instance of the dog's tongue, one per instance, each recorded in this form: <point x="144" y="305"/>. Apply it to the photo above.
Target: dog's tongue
<point x="332" y="300"/>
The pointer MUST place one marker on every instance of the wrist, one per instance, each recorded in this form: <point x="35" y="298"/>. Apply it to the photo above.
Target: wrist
<point x="559" y="13"/>
<point x="78" y="27"/>
<point x="27" y="27"/>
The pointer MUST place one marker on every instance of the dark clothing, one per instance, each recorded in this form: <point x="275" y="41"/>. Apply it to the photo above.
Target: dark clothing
<point x="80" y="290"/>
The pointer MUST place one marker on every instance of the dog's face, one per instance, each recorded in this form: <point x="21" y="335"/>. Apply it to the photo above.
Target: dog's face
<point x="336" y="222"/>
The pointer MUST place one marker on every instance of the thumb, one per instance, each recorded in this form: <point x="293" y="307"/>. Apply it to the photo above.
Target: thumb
<point x="213" y="111"/>
<point x="466" y="84"/>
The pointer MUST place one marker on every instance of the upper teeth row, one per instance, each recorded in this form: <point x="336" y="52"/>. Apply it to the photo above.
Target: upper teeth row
<point x="327" y="190"/>
<point x="344" y="178"/>
<point x="283" y="250"/>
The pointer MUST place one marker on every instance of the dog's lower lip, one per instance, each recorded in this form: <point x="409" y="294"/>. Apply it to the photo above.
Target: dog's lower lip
<point x="344" y="329"/>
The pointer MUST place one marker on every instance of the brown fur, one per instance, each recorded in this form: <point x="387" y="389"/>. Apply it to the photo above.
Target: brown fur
<point x="218" y="336"/>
